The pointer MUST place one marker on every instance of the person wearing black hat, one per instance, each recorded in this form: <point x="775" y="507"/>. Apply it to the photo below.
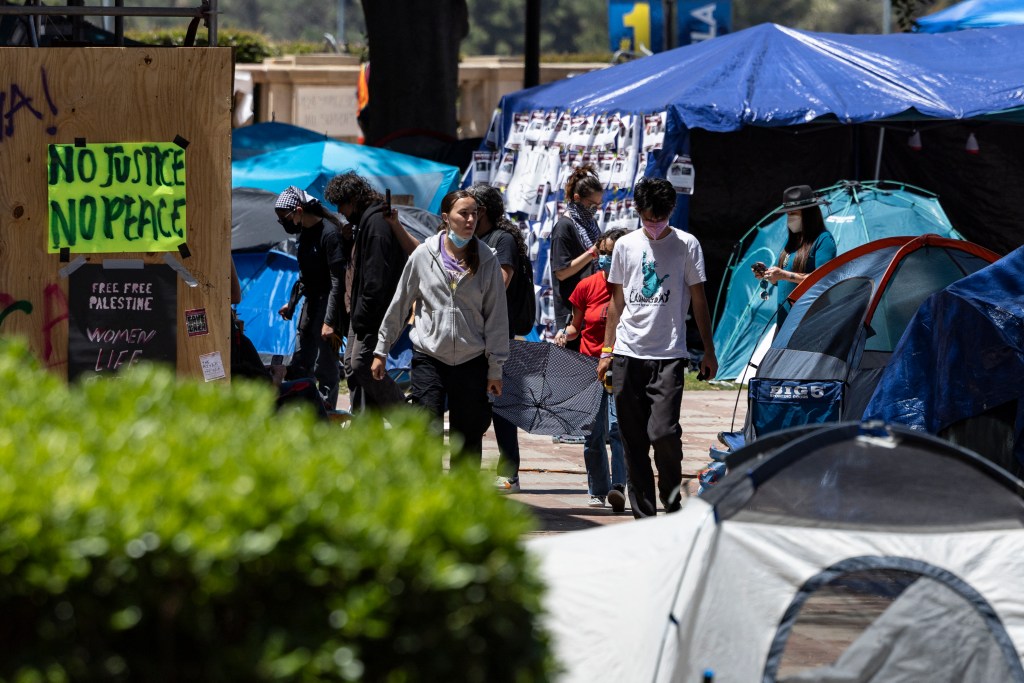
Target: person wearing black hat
<point x="808" y="246"/>
<point x="321" y="258"/>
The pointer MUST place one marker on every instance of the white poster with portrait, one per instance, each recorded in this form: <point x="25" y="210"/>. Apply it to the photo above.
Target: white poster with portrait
<point x="535" y="128"/>
<point x="482" y="163"/>
<point x="654" y="131"/>
<point x="641" y="168"/>
<point x="517" y="133"/>
<point x="502" y="176"/>
<point x="681" y="175"/>
<point x="582" y="133"/>
<point x="606" y="132"/>
<point x="563" y="131"/>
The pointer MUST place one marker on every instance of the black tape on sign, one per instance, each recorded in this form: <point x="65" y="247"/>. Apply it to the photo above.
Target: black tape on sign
<point x="180" y="141"/>
<point x="79" y="142"/>
<point x="65" y="254"/>
<point x="183" y="250"/>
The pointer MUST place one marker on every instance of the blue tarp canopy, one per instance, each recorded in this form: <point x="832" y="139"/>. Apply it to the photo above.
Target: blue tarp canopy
<point x="260" y="138"/>
<point x="973" y="14"/>
<point x="770" y="75"/>
<point x="311" y="166"/>
<point x="961" y="356"/>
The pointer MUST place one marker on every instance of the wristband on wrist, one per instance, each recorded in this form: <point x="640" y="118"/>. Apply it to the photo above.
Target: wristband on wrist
<point x="607" y="349"/>
<point x="606" y="354"/>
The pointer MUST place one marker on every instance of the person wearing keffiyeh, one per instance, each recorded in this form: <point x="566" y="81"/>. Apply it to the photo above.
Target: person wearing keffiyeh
<point x="574" y="239"/>
<point x="321" y="257"/>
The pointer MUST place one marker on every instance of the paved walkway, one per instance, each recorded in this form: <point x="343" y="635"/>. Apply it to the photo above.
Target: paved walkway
<point x="553" y="476"/>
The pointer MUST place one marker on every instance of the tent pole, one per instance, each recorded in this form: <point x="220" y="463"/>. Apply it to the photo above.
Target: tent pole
<point x="878" y="159"/>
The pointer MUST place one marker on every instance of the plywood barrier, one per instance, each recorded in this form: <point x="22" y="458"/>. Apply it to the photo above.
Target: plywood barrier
<point x="115" y="205"/>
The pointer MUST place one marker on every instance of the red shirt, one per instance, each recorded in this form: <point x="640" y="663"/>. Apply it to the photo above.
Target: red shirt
<point x="592" y="297"/>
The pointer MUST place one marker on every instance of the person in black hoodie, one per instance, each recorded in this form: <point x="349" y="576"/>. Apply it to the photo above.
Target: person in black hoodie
<point x="377" y="262"/>
<point x="321" y="258"/>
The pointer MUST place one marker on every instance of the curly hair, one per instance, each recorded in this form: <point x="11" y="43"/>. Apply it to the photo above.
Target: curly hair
<point x="349" y="187"/>
<point x="489" y="199"/>
<point x="614" y="234"/>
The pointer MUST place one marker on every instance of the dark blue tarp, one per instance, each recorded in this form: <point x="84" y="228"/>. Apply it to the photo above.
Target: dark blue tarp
<point x="973" y="14"/>
<point x="267" y="279"/>
<point x="961" y="355"/>
<point x="770" y="75"/>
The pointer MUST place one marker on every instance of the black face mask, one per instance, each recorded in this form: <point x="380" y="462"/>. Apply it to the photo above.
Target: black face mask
<point x="290" y="227"/>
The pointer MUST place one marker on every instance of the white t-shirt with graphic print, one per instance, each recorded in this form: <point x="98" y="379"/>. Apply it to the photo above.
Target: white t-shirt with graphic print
<point x="656" y="276"/>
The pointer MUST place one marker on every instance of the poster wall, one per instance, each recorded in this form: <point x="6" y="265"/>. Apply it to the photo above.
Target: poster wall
<point x="119" y="317"/>
<point x="532" y="166"/>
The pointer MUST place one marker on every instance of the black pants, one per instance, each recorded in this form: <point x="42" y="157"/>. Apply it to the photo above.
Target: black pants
<point x="365" y="391"/>
<point x="464" y="388"/>
<point x="313" y="356"/>
<point x="648" y="395"/>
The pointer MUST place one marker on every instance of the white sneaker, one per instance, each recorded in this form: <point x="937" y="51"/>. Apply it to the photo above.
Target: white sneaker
<point x="506" y="484"/>
<point x="596" y="502"/>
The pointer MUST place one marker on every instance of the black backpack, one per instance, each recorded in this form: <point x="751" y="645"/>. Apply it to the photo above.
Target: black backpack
<point x="522" y="302"/>
<point x="520" y="297"/>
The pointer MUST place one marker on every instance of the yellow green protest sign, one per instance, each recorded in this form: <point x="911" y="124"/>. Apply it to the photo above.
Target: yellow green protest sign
<point x="116" y="197"/>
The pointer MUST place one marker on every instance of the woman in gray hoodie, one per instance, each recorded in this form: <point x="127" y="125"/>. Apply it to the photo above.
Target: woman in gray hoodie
<point x="460" y="334"/>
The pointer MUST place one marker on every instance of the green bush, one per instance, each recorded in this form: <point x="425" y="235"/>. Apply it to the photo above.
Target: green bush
<point x="250" y="47"/>
<point x="155" y="529"/>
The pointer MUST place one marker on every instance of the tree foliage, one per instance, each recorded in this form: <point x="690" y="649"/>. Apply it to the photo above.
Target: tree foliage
<point x="567" y="26"/>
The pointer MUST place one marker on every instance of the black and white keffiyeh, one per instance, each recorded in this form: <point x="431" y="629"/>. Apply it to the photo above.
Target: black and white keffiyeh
<point x="586" y="224"/>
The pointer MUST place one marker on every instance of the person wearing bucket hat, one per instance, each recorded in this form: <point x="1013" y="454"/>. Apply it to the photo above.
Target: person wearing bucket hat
<point x="321" y="257"/>
<point x="808" y="246"/>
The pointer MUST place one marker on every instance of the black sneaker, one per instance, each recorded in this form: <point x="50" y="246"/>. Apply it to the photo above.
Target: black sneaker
<point x="617" y="499"/>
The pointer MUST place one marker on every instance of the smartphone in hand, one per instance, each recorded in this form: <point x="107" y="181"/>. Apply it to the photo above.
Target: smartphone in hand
<point x="387" y="203"/>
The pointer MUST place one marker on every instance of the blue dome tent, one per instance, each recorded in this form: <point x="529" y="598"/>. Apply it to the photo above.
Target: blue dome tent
<point x="957" y="370"/>
<point x="311" y="166"/>
<point x="855" y="214"/>
<point x="260" y="138"/>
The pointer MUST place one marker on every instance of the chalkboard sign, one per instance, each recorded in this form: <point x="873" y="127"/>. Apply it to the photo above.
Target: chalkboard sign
<point x="119" y="317"/>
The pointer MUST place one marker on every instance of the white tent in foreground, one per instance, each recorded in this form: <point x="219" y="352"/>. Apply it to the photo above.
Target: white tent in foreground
<point x="848" y="554"/>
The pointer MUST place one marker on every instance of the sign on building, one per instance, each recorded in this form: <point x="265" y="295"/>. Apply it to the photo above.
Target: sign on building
<point x="639" y="25"/>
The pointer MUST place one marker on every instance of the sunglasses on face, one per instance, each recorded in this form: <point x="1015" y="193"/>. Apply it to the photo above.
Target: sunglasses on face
<point x="287" y="219"/>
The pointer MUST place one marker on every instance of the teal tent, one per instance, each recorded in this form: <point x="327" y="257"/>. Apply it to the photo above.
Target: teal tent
<point x="311" y="166"/>
<point x="855" y="213"/>
<point x="260" y="138"/>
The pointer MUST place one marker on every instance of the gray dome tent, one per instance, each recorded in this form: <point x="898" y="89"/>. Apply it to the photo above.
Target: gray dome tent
<point x="845" y="322"/>
<point x="870" y="551"/>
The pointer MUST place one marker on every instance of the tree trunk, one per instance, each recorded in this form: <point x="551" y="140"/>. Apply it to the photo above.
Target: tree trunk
<point x="414" y="65"/>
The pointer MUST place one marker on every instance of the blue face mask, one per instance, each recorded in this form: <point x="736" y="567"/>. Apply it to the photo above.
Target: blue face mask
<point x="604" y="262"/>
<point x="459" y="242"/>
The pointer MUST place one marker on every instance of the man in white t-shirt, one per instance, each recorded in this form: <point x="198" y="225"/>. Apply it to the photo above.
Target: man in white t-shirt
<point x="657" y="273"/>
